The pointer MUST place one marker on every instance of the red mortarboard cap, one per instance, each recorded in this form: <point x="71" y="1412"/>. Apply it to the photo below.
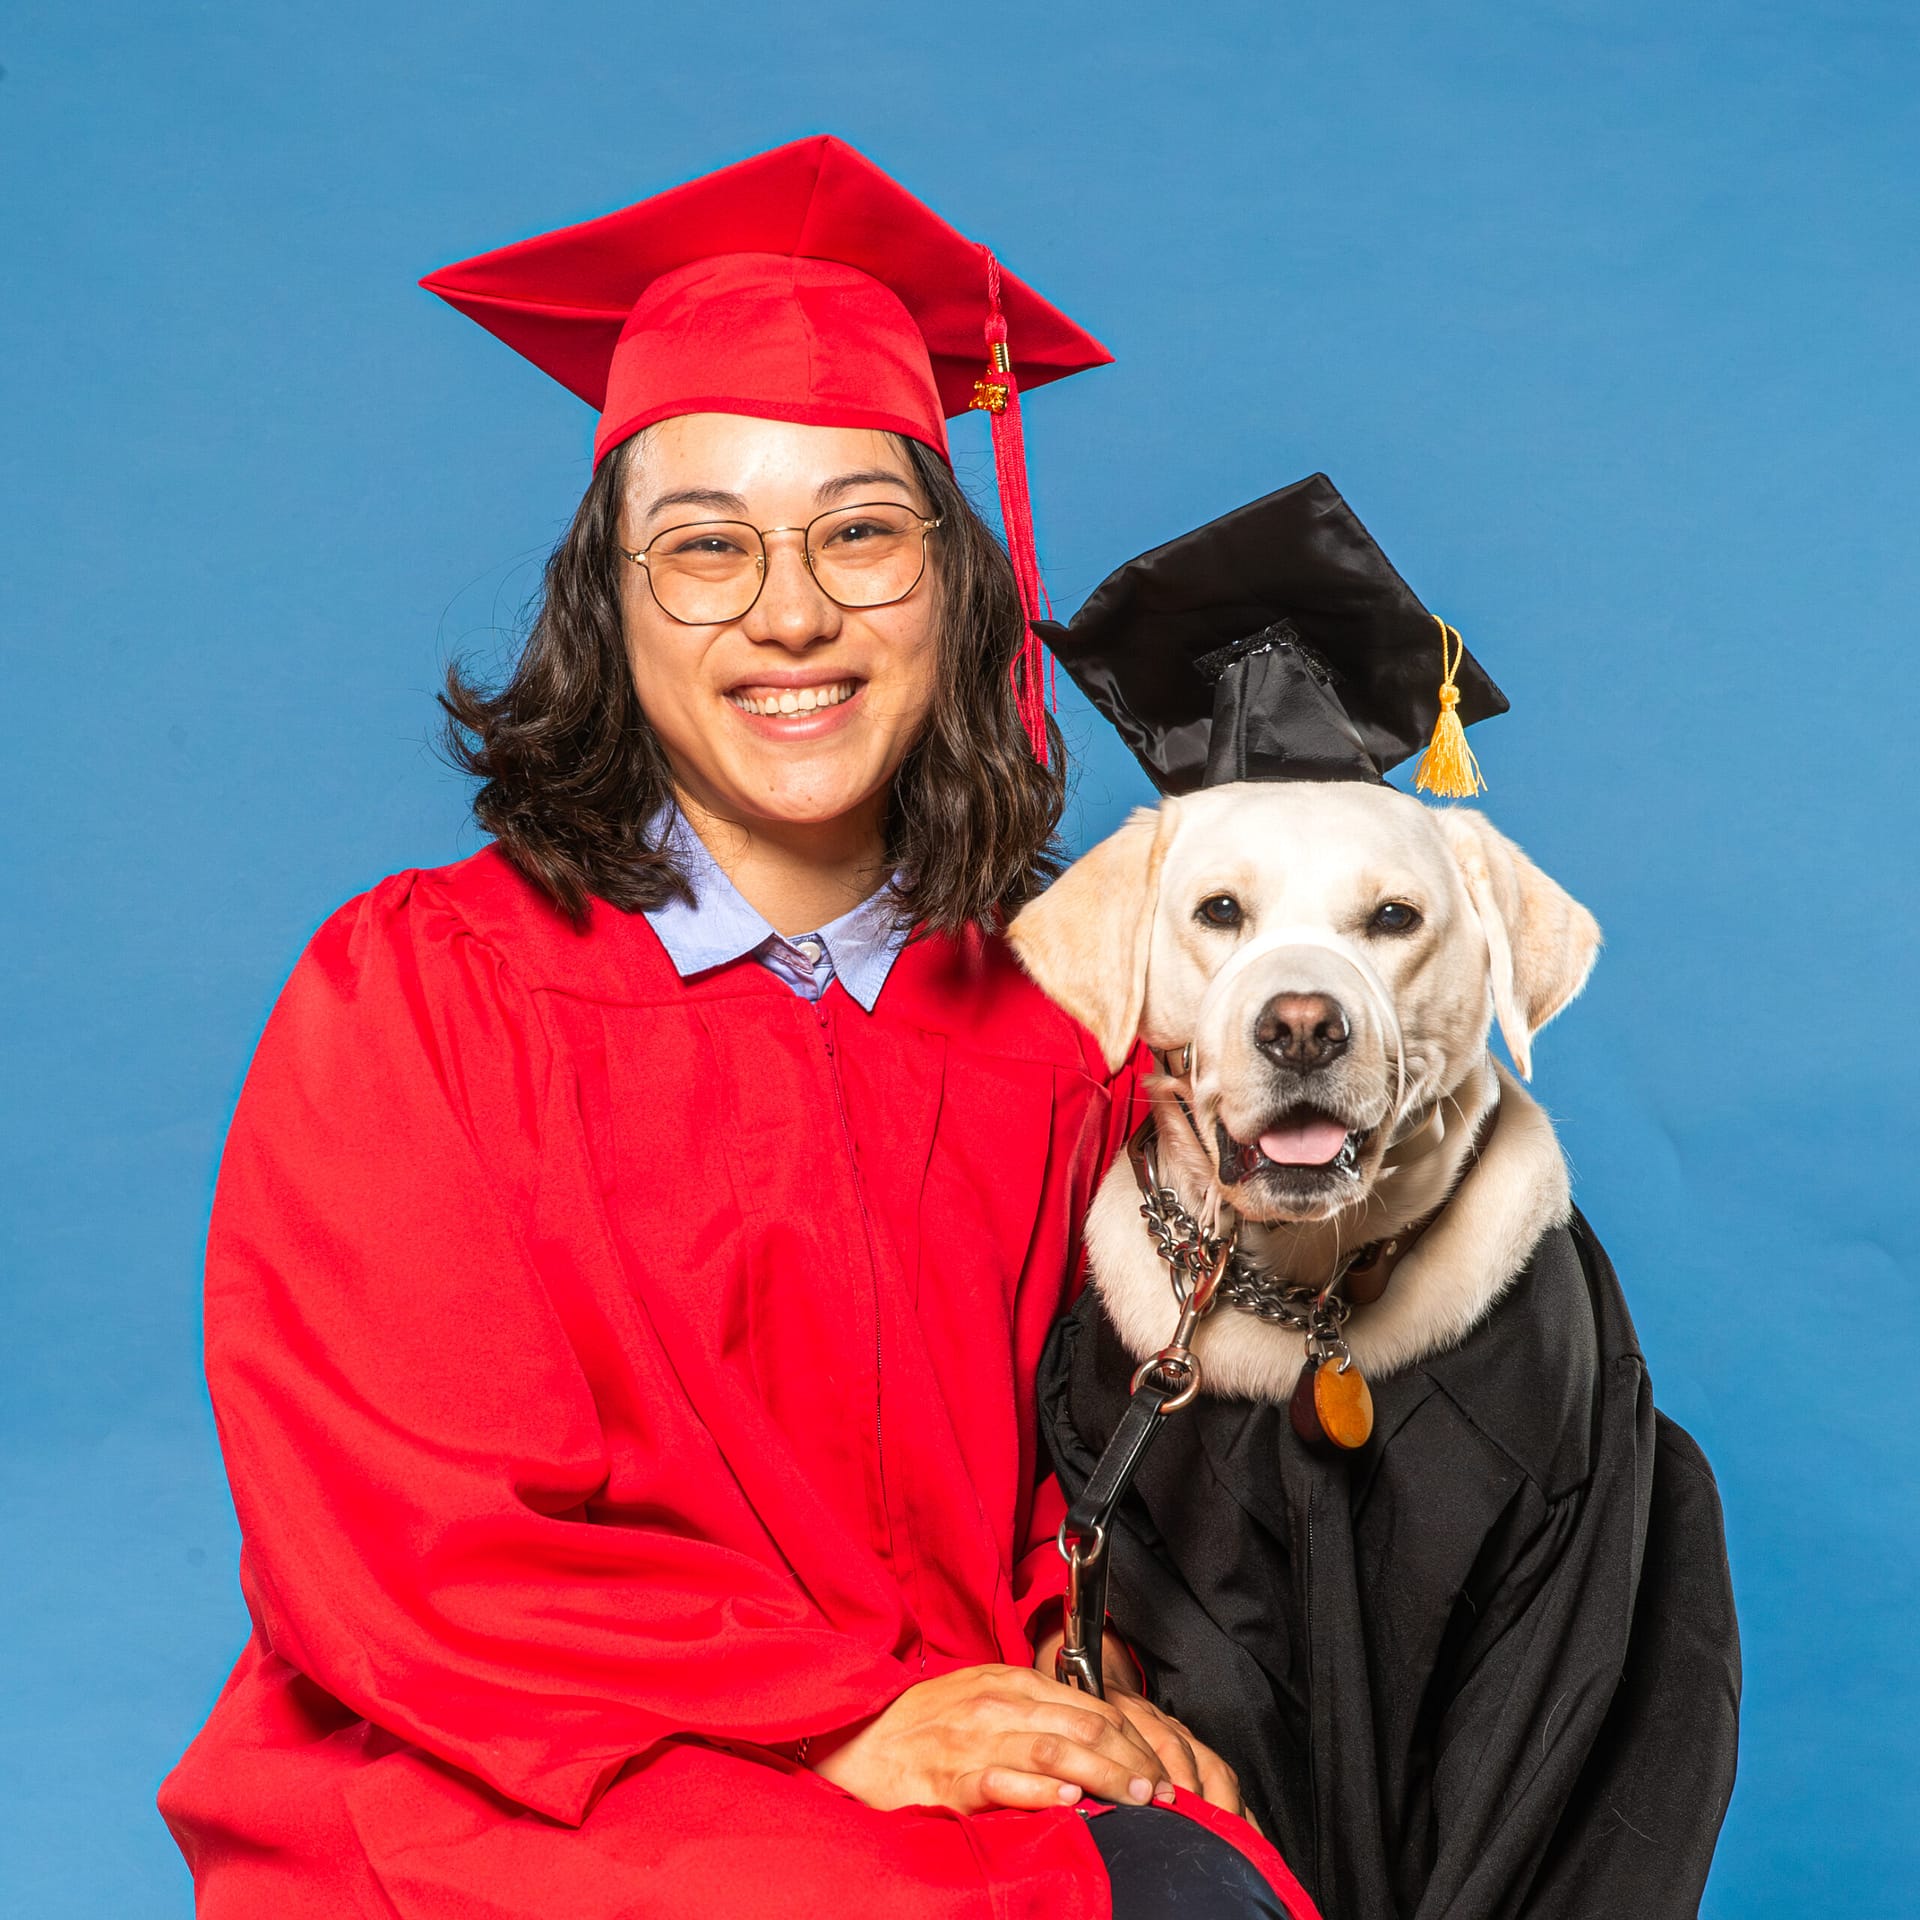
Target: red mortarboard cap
<point x="804" y="285"/>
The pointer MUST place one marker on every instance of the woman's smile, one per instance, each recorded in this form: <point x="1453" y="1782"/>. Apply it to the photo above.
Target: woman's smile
<point x="796" y="708"/>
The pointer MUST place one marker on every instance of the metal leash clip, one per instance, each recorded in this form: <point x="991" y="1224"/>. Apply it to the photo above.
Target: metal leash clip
<point x="1078" y="1663"/>
<point x="1176" y="1364"/>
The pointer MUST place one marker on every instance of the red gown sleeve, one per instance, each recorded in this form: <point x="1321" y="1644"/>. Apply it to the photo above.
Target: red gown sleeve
<point x="410" y="1431"/>
<point x="1040" y="1573"/>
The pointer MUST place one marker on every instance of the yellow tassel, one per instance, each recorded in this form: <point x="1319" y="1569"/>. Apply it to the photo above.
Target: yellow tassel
<point x="1448" y="767"/>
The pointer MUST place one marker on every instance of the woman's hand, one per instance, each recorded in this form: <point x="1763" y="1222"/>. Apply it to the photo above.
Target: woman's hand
<point x="1186" y="1760"/>
<point x="995" y="1737"/>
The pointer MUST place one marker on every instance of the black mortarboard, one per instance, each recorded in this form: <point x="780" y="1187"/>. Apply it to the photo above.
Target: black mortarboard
<point x="1275" y="643"/>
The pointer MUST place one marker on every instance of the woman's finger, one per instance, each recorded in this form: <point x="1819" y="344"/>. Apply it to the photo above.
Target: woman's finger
<point x="1009" y="1787"/>
<point x="1219" y="1784"/>
<point x="1101" y="1725"/>
<point x="1125" y="1778"/>
<point x="1168" y="1740"/>
<point x="1048" y="1707"/>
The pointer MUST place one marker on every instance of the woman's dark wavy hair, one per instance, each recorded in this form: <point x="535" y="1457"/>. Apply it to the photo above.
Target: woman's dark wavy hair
<point x="573" y="772"/>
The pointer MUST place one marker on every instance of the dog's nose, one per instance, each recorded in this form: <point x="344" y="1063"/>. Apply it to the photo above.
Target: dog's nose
<point x="1303" y="1031"/>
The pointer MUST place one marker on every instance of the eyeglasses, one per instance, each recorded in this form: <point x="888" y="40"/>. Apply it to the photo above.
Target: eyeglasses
<point x="712" y="571"/>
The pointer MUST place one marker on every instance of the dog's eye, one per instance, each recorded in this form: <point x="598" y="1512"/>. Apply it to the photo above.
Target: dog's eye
<point x="1219" y="910"/>
<point x="1395" y="917"/>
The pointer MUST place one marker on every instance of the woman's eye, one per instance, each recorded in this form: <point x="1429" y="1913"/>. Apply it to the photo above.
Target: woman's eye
<point x="867" y="530"/>
<point x="706" y="545"/>
<point x="1395" y="917"/>
<point x="1219" y="910"/>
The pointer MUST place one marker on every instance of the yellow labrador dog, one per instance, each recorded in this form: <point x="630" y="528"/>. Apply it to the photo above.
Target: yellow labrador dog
<point x="1455" y="1604"/>
<point x="1335" y="956"/>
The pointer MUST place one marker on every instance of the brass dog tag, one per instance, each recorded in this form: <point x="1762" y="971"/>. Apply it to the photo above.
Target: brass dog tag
<point x="1332" y="1409"/>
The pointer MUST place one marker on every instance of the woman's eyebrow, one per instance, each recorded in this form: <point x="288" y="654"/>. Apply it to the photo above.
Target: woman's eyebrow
<point x="866" y="477"/>
<point x="697" y="497"/>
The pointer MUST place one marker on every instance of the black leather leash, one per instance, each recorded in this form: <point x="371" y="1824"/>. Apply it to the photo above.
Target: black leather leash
<point x="1161" y="1385"/>
<point x="1088" y="1527"/>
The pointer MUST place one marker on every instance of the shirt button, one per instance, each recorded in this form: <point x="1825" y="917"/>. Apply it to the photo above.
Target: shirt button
<point x="809" y="951"/>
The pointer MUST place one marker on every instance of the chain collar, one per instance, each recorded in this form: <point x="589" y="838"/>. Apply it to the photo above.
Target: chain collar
<point x="1208" y="1269"/>
<point x="1191" y="1253"/>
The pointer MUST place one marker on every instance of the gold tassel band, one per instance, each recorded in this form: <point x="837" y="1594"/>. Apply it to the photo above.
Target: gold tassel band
<point x="1448" y="767"/>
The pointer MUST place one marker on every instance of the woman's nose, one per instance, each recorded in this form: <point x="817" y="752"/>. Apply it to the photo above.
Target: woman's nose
<point x="791" y="610"/>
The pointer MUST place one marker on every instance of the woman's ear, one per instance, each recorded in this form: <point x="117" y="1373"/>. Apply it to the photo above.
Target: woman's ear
<point x="1086" y="939"/>
<point x="1541" y="942"/>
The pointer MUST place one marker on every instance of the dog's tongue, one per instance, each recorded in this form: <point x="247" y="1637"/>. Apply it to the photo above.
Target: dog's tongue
<point x="1307" y="1143"/>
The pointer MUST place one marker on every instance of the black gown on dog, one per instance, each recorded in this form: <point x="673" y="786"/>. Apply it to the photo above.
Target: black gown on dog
<point x="1487" y="1666"/>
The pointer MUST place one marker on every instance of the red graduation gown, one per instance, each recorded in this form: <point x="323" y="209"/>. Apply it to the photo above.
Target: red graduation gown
<point x="619" y="1376"/>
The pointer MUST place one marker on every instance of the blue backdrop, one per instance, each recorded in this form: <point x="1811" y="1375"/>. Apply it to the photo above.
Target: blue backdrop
<point x="1601" y="314"/>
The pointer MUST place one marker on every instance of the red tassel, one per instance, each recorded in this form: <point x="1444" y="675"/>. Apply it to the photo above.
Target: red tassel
<point x="998" y="396"/>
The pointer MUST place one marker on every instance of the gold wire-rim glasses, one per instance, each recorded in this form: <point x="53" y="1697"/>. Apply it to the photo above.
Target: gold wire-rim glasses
<point x="848" y="513"/>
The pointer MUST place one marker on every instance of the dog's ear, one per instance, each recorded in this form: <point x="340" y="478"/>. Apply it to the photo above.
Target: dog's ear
<point x="1086" y="939"/>
<point x="1541" y="942"/>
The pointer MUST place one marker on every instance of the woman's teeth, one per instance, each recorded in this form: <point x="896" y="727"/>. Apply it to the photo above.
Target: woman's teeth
<point x="794" y="699"/>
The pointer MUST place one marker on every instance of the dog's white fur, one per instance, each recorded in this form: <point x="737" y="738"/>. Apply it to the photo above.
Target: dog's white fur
<point x="1117" y="942"/>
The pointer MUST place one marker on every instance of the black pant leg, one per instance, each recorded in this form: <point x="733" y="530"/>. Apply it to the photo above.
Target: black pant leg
<point x="1163" y="1866"/>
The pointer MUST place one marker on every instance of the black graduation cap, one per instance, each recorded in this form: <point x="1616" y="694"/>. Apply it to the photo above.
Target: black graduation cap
<point x="1276" y="643"/>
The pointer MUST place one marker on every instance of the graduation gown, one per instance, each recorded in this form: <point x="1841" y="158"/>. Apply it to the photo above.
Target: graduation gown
<point x="1485" y="1668"/>
<point x="620" y="1378"/>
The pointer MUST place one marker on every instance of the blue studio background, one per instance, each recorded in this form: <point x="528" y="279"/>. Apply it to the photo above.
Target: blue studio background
<point x="1600" y="312"/>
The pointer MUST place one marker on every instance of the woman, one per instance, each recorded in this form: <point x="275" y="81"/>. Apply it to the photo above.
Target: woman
<point x="632" y="1251"/>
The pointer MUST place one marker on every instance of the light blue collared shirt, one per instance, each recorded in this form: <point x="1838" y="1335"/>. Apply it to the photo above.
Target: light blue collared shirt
<point x="858" y="949"/>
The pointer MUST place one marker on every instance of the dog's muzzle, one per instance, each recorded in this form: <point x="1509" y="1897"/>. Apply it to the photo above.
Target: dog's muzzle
<point x="1301" y="1079"/>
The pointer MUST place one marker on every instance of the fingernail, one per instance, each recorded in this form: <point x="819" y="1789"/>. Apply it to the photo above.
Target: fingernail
<point x="1140" y="1790"/>
<point x="1164" y="1793"/>
<point x="1068" y="1794"/>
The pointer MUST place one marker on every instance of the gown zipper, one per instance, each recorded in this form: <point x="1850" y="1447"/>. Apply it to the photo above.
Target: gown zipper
<point x="1313" y="1742"/>
<point x="873" y="1270"/>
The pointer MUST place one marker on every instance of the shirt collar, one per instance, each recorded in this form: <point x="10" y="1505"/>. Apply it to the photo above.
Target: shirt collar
<point x="722" y="926"/>
<point x="863" y="944"/>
